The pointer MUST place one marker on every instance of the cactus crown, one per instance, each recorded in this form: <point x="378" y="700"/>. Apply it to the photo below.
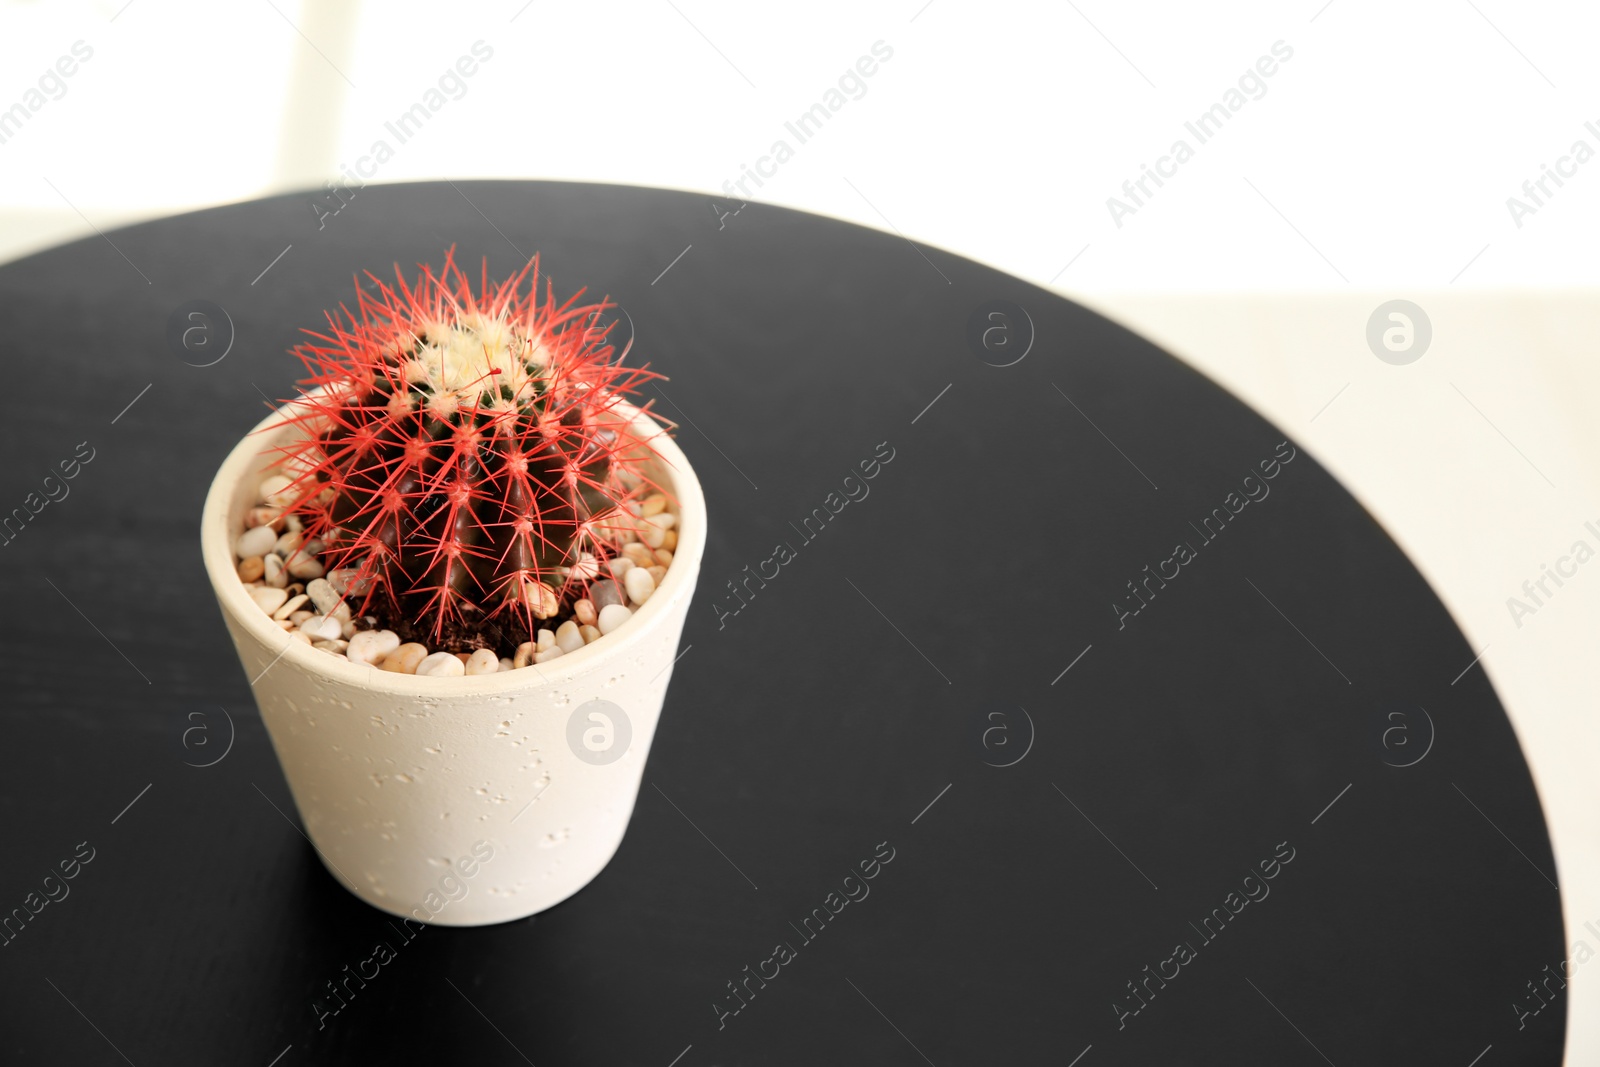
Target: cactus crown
<point x="467" y="457"/>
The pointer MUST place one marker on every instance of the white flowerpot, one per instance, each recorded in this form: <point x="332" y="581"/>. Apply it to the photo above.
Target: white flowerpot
<point x="469" y="800"/>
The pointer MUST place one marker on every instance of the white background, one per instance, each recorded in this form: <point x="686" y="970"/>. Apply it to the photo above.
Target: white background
<point x="1391" y="139"/>
<point x="1377" y="165"/>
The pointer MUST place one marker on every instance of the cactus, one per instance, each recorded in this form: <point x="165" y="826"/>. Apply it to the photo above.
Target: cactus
<point x="465" y="461"/>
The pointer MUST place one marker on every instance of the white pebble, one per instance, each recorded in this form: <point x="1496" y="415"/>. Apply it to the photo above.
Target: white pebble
<point x="273" y="489"/>
<point x="653" y="531"/>
<point x="257" y="541"/>
<point x="336" y="647"/>
<point x="323" y="596"/>
<point x="639" y="584"/>
<point x="263" y="516"/>
<point x="369" y="646"/>
<point x="590" y="634"/>
<point x="442" y="665"/>
<point x="613" y="616"/>
<point x="268" y="599"/>
<point x="568" y="639"/>
<point x="404" y="659"/>
<point x="586" y="568"/>
<point x="346" y="580"/>
<point x="304" y="566"/>
<point x="619" y="566"/>
<point x="506" y="665"/>
<point x="620" y="527"/>
<point x="322" y="628"/>
<point x="544" y="639"/>
<point x="291" y="607"/>
<point x="288" y="544"/>
<point x="548" y="654"/>
<point x="273" y="572"/>
<point x="483" y="661"/>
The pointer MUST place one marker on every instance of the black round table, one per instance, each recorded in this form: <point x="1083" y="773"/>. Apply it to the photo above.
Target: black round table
<point x="1156" y="747"/>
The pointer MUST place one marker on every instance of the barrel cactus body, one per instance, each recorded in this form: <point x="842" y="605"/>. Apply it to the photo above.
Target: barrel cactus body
<point x="467" y="458"/>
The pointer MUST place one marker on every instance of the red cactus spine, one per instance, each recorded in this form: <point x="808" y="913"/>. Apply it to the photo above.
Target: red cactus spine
<point x="466" y="455"/>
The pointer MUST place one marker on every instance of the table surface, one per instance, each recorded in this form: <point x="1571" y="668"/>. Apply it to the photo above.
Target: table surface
<point x="952" y="674"/>
<point x="1482" y="460"/>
